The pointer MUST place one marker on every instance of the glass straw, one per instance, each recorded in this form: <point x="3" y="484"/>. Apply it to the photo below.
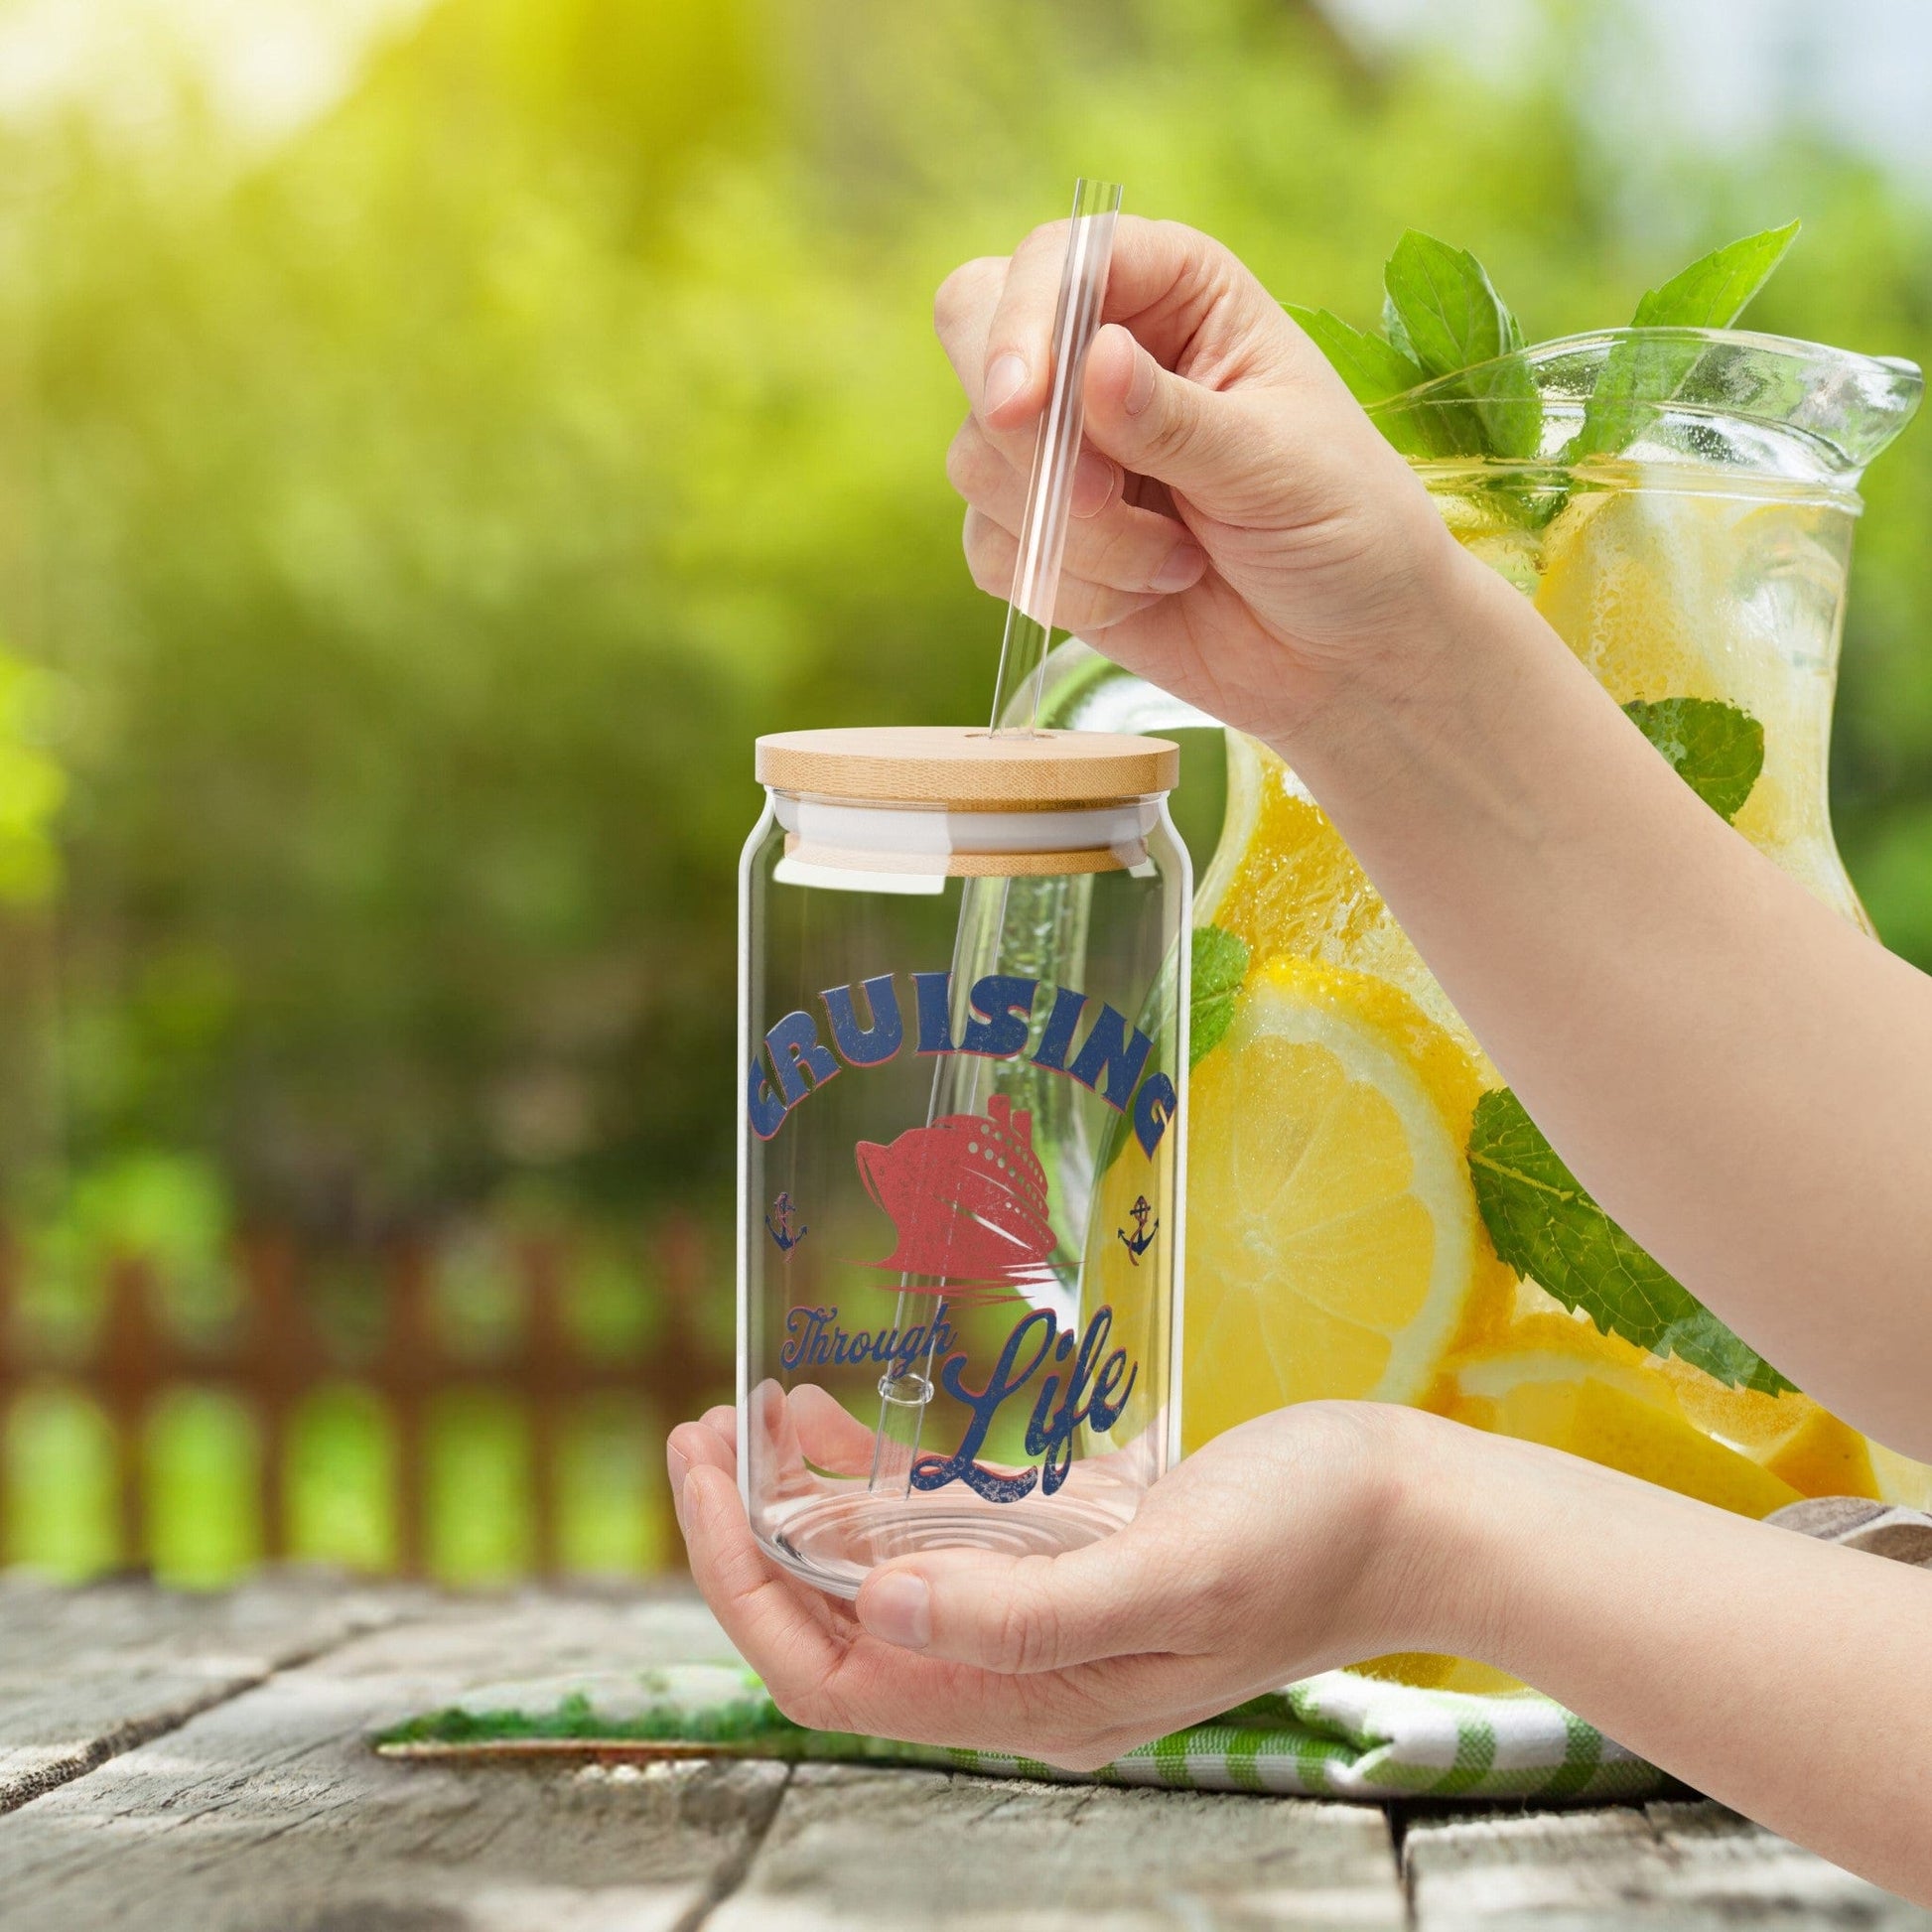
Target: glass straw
<point x="903" y="1396"/>
<point x="1056" y="450"/>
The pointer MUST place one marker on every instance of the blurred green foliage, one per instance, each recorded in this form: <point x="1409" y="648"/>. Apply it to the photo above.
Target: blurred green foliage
<point x="410" y="526"/>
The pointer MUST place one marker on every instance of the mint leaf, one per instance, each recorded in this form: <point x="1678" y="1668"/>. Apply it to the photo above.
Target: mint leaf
<point x="1397" y="330"/>
<point x="1715" y="747"/>
<point x="1545" y="1226"/>
<point x="1217" y="966"/>
<point x="1444" y="306"/>
<point x="1443" y="312"/>
<point x="1716" y="288"/>
<point x="1640" y="378"/>
<point x="1373" y="369"/>
<point x="1217" y="963"/>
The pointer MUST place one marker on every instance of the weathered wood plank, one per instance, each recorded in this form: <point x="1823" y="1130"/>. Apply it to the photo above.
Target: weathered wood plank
<point x="1693" y="1867"/>
<point x="86" y="1673"/>
<point x="270" y="1810"/>
<point x="854" y="1848"/>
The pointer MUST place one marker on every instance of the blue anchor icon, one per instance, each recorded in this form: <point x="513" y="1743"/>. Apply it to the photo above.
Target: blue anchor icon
<point x="1142" y="1239"/>
<point x="778" y="1224"/>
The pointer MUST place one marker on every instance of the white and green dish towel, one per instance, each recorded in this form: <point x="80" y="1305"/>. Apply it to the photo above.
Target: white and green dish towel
<point x="1336" y="1736"/>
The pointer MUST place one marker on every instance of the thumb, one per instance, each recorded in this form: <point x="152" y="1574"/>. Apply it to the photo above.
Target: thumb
<point x="1118" y="1596"/>
<point x="1198" y="441"/>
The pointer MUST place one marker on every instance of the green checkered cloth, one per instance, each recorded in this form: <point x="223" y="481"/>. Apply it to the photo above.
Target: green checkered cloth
<point x="1336" y="1736"/>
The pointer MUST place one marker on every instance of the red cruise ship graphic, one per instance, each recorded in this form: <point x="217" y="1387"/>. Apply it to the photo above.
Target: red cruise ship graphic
<point x="967" y="1197"/>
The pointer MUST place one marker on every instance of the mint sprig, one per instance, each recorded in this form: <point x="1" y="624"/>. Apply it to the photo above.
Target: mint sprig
<point x="1639" y="376"/>
<point x="1441" y="311"/>
<point x="1374" y="369"/>
<point x="1717" y="749"/>
<point x="1217" y="966"/>
<point x="1443" y="318"/>
<point x="1716" y="288"/>
<point x="1545" y="1225"/>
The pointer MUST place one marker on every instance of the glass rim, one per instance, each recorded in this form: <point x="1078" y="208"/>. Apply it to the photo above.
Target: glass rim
<point x="1840" y="407"/>
<point x="1533" y="355"/>
<point x="1648" y="474"/>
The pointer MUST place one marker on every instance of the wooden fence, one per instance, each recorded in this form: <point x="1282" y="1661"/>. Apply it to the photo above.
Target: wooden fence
<point x="277" y="1353"/>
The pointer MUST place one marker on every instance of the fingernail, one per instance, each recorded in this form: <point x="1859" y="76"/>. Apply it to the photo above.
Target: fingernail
<point x="1184" y="565"/>
<point x="1140" y="391"/>
<point x="1094" y="478"/>
<point x="1003" y="381"/>
<point x="680" y="1466"/>
<point x="897" y="1609"/>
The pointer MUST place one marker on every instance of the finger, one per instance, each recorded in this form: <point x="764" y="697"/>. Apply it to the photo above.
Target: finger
<point x="692" y="1445"/>
<point x="1206" y="445"/>
<point x="698" y="1445"/>
<point x="787" y="1639"/>
<point x="985" y="471"/>
<point x="1018" y="364"/>
<point x="1196" y="306"/>
<point x="962" y="310"/>
<point x="724" y="1419"/>
<point x="1122" y="1596"/>
<point x="831" y="1437"/>
<point x="1120" y="546"/>
<point x="1189" y="298"/>
<point x="1078" y="606"/>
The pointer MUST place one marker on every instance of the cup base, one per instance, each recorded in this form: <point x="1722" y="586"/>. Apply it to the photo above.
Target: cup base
<point x="833" y="1542"/>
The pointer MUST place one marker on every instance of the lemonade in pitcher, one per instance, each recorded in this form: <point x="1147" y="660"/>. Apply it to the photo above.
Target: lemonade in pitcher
<point x="1371" y="1212"/>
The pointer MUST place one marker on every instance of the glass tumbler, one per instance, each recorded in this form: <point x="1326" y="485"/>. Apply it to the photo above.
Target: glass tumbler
<point x="962" y="1024"/>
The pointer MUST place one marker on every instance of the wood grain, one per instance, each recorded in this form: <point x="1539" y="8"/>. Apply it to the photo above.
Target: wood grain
<point x="968" y="770"/>
<point x="203" y="1764"/>
<point x="1691" y="1867"/>
<point x="270" y="1810"/>
<point x="87" y="1673"/>
<point x="854" y="1848"/>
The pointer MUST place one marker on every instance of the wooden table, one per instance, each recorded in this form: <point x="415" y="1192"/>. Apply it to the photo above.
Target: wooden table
<point x="171" y="1761"/>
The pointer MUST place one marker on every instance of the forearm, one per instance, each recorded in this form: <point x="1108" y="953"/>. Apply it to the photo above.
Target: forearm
<point x="1739" y="1076"/>
<point x="1786" y="1678"/>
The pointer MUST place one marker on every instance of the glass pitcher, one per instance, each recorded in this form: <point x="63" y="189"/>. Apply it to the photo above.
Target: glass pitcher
<point x="1338" y="1246"/>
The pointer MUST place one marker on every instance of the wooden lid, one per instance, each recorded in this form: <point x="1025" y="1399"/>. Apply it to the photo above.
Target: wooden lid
<point x="968" y="770"/>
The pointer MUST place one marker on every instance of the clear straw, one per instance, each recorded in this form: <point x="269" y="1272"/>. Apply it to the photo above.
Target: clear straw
<point x="1049" y="493"/>
<point x="903" y="1398"/>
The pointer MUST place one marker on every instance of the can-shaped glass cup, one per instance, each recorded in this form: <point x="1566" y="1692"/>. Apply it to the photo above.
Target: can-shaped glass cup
<point x="963" y="992"/>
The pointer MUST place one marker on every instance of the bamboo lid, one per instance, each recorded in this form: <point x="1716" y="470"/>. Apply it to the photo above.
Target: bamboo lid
<point x="968" y="770"/>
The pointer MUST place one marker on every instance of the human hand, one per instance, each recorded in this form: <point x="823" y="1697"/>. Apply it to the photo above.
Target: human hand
<point x="1282" y="1548"/>
<point x="1241" y="533"/>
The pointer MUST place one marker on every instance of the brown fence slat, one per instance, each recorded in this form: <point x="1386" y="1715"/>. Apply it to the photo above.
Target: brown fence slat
<point x="279" y="1355"/>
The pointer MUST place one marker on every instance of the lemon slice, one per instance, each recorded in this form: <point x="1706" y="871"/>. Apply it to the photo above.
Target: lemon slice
<point x="1626" y="583"/>
<point x="1283" y="881"/>
<point x="1900" y="1479"/>
<point x="1553" y="1379"/>
<point x="1790" y="1434"/>
<point x="1333" y="1246"/>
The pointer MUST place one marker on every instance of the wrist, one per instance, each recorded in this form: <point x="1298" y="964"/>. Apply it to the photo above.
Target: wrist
<point x="1365" y="715"/>
<point x="1452" y="1516"/>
